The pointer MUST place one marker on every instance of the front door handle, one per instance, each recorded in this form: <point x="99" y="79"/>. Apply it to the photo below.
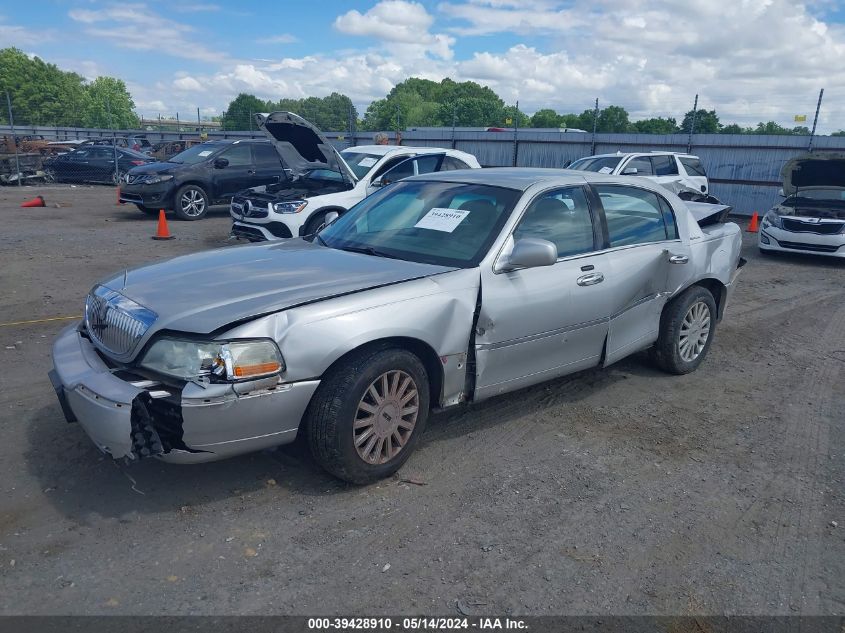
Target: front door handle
<point x="678" y="259"/>
<point x="590" y="280"/>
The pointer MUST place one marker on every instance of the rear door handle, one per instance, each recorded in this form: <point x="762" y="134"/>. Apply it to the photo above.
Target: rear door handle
<point x="678" y="259"/>
<point x="590" y="280"/>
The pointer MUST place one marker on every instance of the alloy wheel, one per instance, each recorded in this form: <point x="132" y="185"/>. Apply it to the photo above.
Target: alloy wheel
<point x="385" y="417"/>
<point x="192" y="203"/>
<point x="695" y="330"/>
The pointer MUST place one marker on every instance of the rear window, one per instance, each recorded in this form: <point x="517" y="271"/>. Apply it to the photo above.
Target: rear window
<point x="693" y="166"/>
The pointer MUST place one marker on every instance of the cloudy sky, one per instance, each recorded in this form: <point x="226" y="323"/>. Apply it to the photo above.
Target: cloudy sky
<point x="751" y="60"/>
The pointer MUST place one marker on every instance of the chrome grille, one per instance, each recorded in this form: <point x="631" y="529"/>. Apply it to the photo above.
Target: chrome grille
<point x="115" y="323"/>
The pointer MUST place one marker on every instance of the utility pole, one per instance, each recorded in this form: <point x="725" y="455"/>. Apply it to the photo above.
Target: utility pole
<point x="114" y="145"/>
<point x="454" y="122"/>
<point x="692" y="125"/>
<point x="14" y="138"/>
<point x="595" y="127"/>
<point x="815" y="119"/>
<point x="515" y="132"/>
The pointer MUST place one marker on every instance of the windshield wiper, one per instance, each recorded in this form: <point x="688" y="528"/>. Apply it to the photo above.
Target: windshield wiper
<point x="367" y="250"/>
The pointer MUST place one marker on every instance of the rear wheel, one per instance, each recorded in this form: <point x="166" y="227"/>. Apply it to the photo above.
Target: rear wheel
<point x="191" y="203"/>
<point x="368" y="414"/>
<point x="686" y="331"/>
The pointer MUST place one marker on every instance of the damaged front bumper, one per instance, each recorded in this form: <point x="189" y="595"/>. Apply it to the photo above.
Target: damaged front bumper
<point x="135" y="418"/>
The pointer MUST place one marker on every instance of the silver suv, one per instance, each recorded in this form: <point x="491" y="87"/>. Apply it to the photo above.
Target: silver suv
<point x="677" y="172"/>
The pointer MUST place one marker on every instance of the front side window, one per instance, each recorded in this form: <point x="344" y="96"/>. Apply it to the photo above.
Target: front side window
<point x="563" y="218"/>
<point x="642" y="164"/>
<point x="634" y="216"/>
<point x="444" y="223"/>
<point x="238" y="155"/>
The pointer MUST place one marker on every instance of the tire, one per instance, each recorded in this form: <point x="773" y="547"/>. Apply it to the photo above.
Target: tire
<point x="345" y="400"/>
<point x="191" y="203"/>
<point x="147" y="210"/>
<point x="313" y="225"/>
<point x="50" y="175"/>
<point x="117" y="178"/>
<point x="691" y="318"/>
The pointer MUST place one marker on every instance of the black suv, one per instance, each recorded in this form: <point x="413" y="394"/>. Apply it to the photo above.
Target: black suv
<point x="202" y="175"/>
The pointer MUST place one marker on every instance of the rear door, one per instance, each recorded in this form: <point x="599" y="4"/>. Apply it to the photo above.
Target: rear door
<point x="100" y="164"/>
<point x="267" y="165"/>
<point x="696" y="174"/>
<point x="665" y="169"/>
<point x="237" y="174"/>
<point x="643" y="247"/>
<point x="538" y="323"/>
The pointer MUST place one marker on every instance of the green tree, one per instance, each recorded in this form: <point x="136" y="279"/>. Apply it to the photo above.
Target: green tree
<point x="839" y="133"/>
<point x="801" y="130"/>
<point x="514" y="117"/>
<point x="109" y="105"/>
<point x="613" y="119"/>
<point x="239" y="113"/>
<point x="733" y="128"/>
<point x="656" y="125"/>
<point x="546" y="118"/>
<point x="706" y="122"/>
<point x="771" y="127"/>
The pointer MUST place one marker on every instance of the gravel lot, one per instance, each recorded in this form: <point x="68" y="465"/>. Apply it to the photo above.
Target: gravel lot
<point x="622" y="491"/>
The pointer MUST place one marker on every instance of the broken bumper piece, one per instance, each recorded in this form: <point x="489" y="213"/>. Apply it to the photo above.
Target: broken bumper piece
<point x="140" y="418"/>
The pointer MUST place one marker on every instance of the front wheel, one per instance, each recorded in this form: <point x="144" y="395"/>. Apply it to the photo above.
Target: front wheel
<point x="117" y="177"/>
<point x="146" y="210"/>
<point x="368" y="414"/>
<point x="191" y="203"/>
<point x="315" y="224"/>
<point x="686" y="331"/>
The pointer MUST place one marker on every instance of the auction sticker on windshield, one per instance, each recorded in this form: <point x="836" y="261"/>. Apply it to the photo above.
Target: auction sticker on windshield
<point x="367" y="162"/>
<point x="205" y="152"/>
<point x="446" y="220"/>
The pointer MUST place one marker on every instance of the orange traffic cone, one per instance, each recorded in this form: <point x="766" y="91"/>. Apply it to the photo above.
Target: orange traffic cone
<point x="752" y="227"/>
<point x="119" y="201"/>
<point x="37" y="201"/>
<point x="162" y="233"/>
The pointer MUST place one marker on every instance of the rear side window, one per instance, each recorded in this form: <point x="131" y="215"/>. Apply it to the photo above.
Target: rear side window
<point x="266" y="156"/>
<point x="693" y="166"/>
<point x="451" y="163"/>
<point x="634" y="216"/>
<point x="664" y="165"/>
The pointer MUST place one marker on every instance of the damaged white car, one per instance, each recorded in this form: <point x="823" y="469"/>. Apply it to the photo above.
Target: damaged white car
<point x="811" y="218"/>
<point x="439" y="290"/>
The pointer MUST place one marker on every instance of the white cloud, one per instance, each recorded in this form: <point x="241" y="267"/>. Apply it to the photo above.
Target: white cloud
<point x="138" y="27"/>
<point x="404" y="24"/>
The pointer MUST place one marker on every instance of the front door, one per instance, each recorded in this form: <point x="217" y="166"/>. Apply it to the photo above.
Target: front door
<point x="237" y="174"/>
<point x="538" y="323"/>
<point x="643" y="240"/>
<point x="267" y="165"/>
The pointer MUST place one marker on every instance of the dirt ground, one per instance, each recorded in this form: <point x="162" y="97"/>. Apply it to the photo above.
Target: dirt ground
<point x="621" y="491"/>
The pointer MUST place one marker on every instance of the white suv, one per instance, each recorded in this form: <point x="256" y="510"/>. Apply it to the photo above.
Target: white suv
<point x="677" y="172"/>
<point x="319" y="180"/>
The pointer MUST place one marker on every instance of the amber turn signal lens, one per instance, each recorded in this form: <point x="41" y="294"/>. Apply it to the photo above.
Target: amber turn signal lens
<point x="242" y="371"/>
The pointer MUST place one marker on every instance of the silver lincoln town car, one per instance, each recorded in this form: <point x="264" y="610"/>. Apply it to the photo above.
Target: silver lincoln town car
<point x="438" y="290"/>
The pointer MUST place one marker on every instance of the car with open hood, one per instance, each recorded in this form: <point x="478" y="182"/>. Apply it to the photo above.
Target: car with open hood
<point x="321" y="180"/>
<point x="442" y="289"/>
<point x="200" y="176"/>
<point x="811" y="217"/>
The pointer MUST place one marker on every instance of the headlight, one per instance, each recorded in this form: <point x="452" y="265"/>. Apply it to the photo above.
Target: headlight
<point x="152" y="180"/>
<point x="227" y="360"/>
<point x="773" y="219"/>
<point x="292" y="206"/>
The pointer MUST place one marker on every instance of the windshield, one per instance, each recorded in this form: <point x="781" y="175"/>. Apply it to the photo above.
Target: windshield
<point x="196" y="154"/>
<point x="443" y="223"/>
<point x="828" y="195"/>
<point x="359" y="162"/>
<point x="603" y="164"/>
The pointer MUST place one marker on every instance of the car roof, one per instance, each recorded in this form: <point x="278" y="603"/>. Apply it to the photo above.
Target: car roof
<point x="382" y="150"/>
<point x="651" y="153"/>
<point x="522" y="178"/>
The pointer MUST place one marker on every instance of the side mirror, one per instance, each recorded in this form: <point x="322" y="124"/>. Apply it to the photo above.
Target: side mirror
<point x="331" y="216"/>
<point x="630" y="171"/>
<point x="531" y="252"/>
<point x="379" y="182"/>
<point x="220" y="163"/>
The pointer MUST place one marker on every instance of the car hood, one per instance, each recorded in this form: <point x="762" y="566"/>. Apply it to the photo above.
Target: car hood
<point x="153" y="168"/>
<point x="300" y="145"/>
<point x="206" y="291"/>
<point x="822" y="171"/>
